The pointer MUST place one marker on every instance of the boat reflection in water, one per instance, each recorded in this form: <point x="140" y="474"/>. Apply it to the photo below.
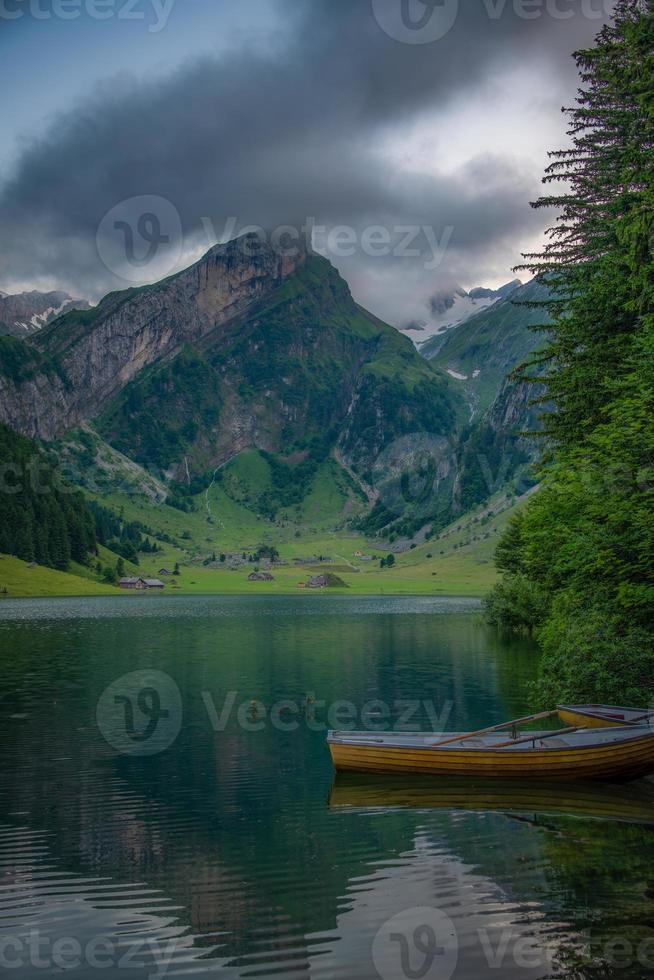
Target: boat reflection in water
<point x="633" y="803"/>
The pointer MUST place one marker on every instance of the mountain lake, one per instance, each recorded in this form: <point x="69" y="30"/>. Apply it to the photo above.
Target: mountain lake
<point x="169" y="808"/>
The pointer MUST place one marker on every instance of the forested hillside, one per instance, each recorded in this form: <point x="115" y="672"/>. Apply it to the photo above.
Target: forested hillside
<point x="41" y="519"/>
<point x="579" y="561"/>
<point x="490" y="345"/>
<point x="495" y="449"/>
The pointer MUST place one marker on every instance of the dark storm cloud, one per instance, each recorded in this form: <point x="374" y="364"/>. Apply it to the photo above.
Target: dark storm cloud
<point x="277" y="138"/>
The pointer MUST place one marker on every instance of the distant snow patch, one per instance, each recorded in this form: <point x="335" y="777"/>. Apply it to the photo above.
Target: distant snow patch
<point x="455" y="374"/>
<point x="446" y="310"/>
<point x="462" y="307"/>
<point x="40" y="319"/>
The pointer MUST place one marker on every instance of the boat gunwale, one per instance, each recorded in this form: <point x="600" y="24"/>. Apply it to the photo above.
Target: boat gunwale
<point x="602" y="711"/>
<point x="640" y="736"/>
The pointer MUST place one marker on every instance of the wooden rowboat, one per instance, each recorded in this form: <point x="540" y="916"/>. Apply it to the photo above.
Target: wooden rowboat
<point x="603" y="715"/>
<point x="610" y="754"/>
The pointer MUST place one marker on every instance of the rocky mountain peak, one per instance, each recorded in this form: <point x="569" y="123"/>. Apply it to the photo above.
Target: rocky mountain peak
<point x="23" y="314"/>
<point x="450" y="308"/>
<point x="99" y="351"/>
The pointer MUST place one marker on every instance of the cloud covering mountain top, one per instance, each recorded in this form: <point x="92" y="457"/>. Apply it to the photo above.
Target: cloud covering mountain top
<point x="313" y="111"/>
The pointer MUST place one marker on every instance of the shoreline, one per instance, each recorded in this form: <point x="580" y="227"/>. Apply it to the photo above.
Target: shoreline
<point x="464" y="575"/>
<point x="179" y="594"/>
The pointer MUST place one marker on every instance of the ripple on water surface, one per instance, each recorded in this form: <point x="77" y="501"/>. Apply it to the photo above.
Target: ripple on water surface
<point x="232" y="853"/>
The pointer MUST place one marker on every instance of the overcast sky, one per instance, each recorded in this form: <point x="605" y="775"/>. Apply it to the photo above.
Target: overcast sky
<point x="129" y="141"/>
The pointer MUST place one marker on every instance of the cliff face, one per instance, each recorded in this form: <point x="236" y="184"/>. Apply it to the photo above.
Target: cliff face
<point x="32" y="405"/>
<point x="497" y="451"/>
<point x="513" y="412"/>
<point x="85" y="358"/>
<point x="302" y="366"/>
<point x="246" y="349"/>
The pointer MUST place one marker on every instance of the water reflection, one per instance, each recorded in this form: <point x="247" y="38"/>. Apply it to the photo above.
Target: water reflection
<point x="629" y="803"/>
<point x="229" y="843"/>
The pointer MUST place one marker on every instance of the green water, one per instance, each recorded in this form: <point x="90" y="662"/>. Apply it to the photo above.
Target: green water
<point x="154" y="823"/>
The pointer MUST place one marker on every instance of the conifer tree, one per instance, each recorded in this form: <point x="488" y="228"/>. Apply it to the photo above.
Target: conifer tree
<point x="583" y="550"/>
<point x="40" y="520"/>
<point x="602" y="240"/>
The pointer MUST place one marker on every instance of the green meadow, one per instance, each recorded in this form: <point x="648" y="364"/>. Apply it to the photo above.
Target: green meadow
<point x="458" y="561"/>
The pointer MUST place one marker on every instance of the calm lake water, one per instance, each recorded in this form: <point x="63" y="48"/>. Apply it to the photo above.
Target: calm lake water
<point x="154" y="823"/>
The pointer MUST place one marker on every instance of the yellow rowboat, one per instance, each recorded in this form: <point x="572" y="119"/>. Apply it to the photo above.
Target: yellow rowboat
<point x="609" y="754"/>
<point x="603" y="715"/>
<point x="595" y="801"/>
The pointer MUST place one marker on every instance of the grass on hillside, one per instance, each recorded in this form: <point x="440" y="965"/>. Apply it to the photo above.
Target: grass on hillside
<point x="20" y="581"/>
<point x="457" y="562"/>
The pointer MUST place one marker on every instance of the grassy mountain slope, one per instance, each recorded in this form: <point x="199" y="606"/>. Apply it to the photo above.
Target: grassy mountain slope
<point x="486" y="348"/>
<point x="246" y="350"/>
<point x="225" y="519"/>
<point x="493" y="450"/>
<point x="21" y="581"/>
<point x="306" y="365"/>
<point x="457" y="562"/>
<point x="262" y="420"/>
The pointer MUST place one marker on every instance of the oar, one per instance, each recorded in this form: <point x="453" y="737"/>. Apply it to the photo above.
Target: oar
<point x="495" y="728"/>
<point x="648" y="717"/>
<point x="532" y="738"/>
